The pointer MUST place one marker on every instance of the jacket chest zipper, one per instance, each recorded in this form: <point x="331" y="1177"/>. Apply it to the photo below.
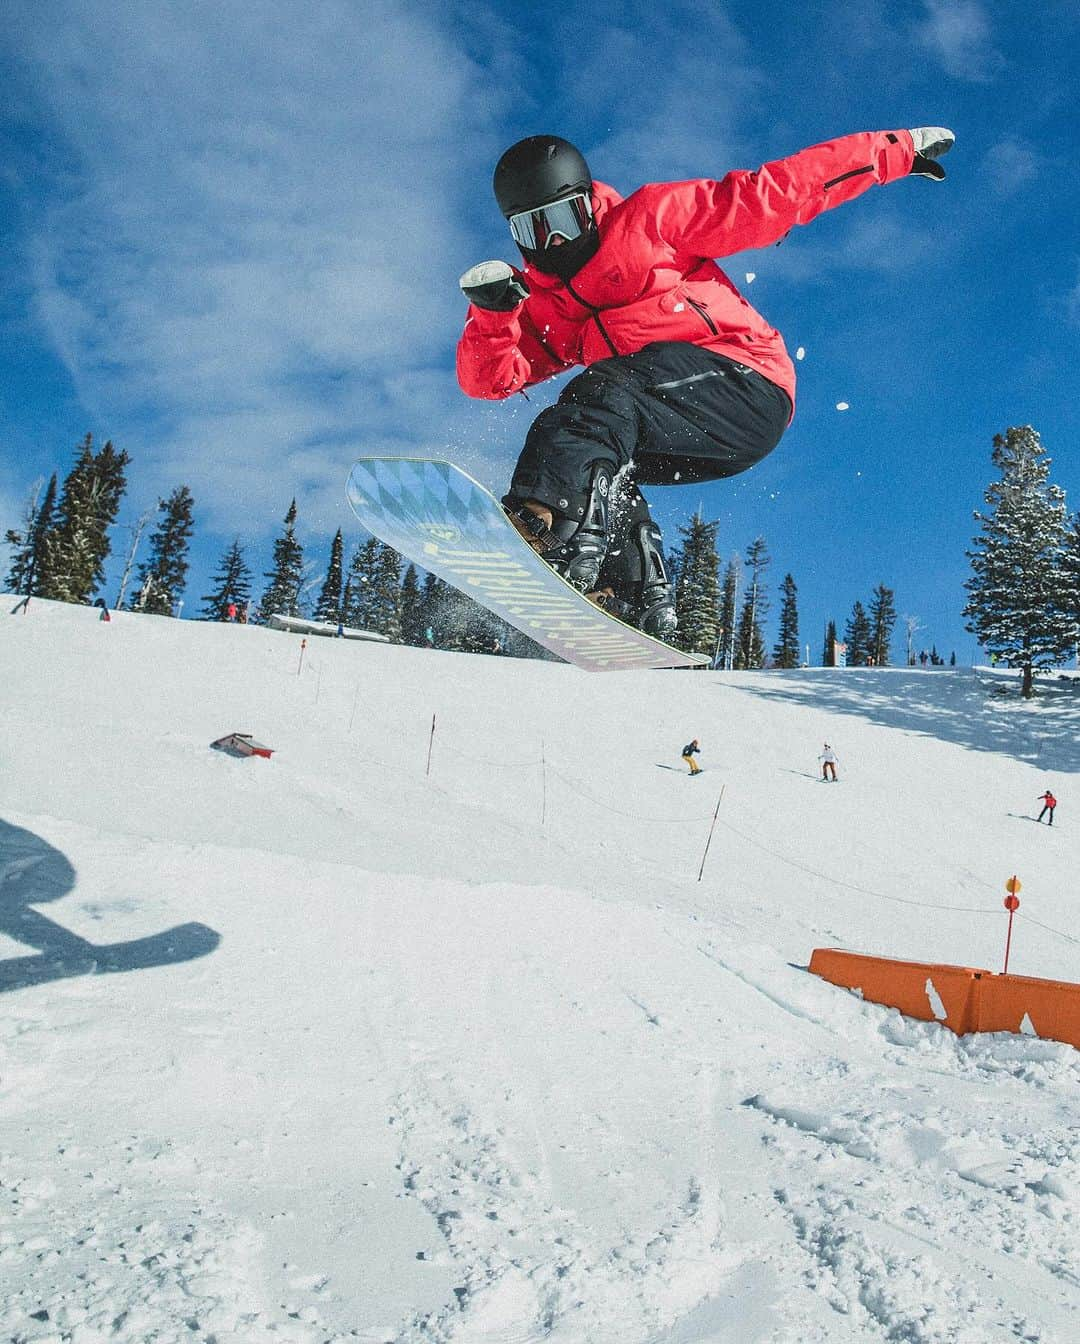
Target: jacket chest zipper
<point x="595" y="316"/>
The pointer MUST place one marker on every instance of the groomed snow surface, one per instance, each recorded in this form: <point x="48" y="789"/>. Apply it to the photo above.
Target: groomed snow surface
<point x="329" y="1048"/>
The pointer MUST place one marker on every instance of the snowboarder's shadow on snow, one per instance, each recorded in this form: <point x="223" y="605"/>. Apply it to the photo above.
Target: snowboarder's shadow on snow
<point x="803" y="774"/>
<point x="33" y="873"/>
<point x="1023" y="816"/>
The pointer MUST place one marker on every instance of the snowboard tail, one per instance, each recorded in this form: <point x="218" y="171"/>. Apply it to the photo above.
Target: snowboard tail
<point x="436" y="515"/>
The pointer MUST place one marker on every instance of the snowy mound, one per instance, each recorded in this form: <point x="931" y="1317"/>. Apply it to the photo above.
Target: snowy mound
<point x="425" y="1029"/>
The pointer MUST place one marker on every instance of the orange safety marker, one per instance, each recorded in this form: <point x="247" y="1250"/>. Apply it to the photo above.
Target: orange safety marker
<point x="1012" y="904"/>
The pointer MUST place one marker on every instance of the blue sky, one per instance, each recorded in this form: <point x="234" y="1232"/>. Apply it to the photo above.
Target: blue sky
<point x="234" y="230"/>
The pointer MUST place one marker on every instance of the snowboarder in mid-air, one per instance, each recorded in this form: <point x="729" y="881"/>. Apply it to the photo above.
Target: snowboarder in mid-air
<point x="684" y="381"/>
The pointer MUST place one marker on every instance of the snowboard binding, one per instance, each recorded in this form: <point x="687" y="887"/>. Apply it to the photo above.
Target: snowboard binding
<point x="635" y="570"/>
<point x="573" y="548"/>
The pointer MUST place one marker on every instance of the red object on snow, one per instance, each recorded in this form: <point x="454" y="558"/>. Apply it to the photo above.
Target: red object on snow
<point x="241" y="744"/>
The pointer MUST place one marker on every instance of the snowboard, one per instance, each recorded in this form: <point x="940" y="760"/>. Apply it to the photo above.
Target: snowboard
<point x="437" y="516"/>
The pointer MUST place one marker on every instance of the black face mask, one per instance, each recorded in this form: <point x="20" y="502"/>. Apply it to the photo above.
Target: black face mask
<point x="566" y="259"/>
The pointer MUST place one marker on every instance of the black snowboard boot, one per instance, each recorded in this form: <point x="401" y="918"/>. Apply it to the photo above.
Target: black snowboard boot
<point x="635" y="568"/>
<point x="574" y="548"/>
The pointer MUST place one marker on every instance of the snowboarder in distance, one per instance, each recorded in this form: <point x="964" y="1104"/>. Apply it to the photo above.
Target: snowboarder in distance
<point x="683" y="379"/>
<point x="1049" y="802"/>
<point x="688" y="756"/>
<point x="829" y="762"/>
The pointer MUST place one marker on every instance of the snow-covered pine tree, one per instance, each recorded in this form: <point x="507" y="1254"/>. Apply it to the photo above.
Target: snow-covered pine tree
<point x="232" y="586"/>
<point x="786" y="653"/>
<point x="410" y="604"/>
<point x="729" y="592"/>
<point x="750" y="644"/>
<point x="282" y="596"/>
<point x="328" y="606"/>
<point x="828" y="651"/>
<point x="1018" y="607"/>
<point x="857" y="636"/>
<point x="161" y="580"/>
<point x="697" y="588"/>
<point x="386" y="594"/>
<point x="882" y="620"/>
<point x="30" y="563"/>
<point x="1071" y="576"/>
<point x="359" y="610"/>
<point x="79" y="543"/>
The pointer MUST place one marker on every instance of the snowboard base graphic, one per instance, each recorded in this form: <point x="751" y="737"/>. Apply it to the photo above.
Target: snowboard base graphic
<point x="437" y="516"/>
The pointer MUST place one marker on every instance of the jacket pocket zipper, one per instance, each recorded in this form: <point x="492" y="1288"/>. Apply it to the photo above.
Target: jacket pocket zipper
<point x="703" y="313"/>
<point x="855" y="172"/>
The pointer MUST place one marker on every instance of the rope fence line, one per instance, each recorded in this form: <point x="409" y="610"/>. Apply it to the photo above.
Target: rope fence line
<point x="854" y="886"/>
<point x="483" y="760"/>
<point x="713" y="818"/>
<point x="629" y="816"/>
<point x="776" y="854"/>
<point x="1057" y="932"/>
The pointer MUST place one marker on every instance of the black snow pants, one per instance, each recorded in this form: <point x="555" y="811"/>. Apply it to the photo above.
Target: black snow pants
<point x="679" y="413"/>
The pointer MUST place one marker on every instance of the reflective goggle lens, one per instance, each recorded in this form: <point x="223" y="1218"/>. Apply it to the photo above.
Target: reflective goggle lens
<point x="569" y="219"/>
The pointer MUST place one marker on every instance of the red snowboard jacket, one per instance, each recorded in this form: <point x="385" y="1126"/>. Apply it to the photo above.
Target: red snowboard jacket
<point x="654" y="278"/>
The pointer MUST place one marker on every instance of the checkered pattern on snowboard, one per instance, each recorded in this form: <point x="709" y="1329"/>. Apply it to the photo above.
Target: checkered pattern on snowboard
<point x="435" y="515"/>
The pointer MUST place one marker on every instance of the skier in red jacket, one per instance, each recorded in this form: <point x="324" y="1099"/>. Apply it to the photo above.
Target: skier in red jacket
<point x="684" y="381"/>
<point x="1049" y="802"/>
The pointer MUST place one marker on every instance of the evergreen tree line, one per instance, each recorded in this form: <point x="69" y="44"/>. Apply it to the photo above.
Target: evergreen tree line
<point x="1023" y="597"/>
<point x="715" y="619"/>
<point x="61" y="549"/>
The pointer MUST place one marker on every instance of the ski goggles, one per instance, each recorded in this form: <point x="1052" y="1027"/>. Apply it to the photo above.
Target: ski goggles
<point x="568" y="219"/>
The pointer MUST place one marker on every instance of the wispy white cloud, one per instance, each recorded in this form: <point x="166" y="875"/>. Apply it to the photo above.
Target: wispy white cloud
<point x="1010" y="165"/>
<point x="259" y="241"/>
<point x="958" y="33"/>
<point x="676" y="108"/>
<point x="1072" y="299"/>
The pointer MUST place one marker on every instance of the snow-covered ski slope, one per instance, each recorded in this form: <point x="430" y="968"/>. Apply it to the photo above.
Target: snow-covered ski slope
<point x="473" y="1055"/>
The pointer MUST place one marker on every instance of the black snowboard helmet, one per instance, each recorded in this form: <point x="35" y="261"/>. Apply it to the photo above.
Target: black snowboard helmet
<point x="540" y="171"/>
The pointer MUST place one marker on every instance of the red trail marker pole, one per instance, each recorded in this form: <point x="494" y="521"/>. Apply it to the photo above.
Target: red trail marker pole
<point x="1012" y="904"/>
<point x="300" y="665"/>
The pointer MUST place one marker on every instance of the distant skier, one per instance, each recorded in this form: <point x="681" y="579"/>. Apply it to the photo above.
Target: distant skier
<point x="684" y="380"/>
<point x="829" y="761"/>
<point x="1049" y="802"/>
<point x="688" y="756"/>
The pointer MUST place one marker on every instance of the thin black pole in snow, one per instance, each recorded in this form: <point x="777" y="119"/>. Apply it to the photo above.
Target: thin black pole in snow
<point x="711" y="829"/>
<point x="431" y="741"/>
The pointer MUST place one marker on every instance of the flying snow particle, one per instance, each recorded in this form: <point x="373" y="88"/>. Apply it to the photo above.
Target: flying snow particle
<point x="751" y="276"/>
<point x="842" y="406"/>
<point x="801" y="352"/>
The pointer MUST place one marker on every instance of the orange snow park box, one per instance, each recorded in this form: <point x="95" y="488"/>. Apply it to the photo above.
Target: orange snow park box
<point x="1046" y="1008"/>
<point x="962" y="998"/>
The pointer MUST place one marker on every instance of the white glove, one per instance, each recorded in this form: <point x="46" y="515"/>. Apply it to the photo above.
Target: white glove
<point x="930" y="143"/>
<point x="494" y="285"/>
